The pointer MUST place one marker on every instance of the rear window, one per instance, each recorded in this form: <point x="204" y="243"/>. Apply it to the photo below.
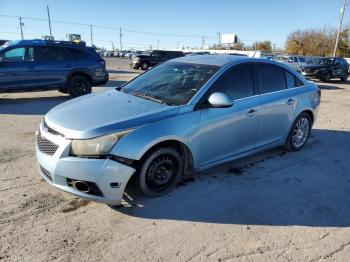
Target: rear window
<point x="270" y="78"/>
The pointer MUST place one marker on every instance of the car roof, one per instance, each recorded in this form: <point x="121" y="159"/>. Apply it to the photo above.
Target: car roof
<point x="39" y="42"/>
<point x="216" y="60"/>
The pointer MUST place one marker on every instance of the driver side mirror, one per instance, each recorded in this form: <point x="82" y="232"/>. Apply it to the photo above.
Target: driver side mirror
<point x="220" y="100"/>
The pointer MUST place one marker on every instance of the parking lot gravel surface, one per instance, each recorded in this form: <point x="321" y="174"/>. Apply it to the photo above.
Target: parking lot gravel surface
<point x="273" y="206"/>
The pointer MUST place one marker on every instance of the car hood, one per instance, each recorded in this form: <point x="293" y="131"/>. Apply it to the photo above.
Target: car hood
<point x="104" y="113"/>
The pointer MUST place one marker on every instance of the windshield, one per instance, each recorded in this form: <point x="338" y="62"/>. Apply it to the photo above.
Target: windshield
<point x="326" y="61"/>
<point x="172" y="83"/>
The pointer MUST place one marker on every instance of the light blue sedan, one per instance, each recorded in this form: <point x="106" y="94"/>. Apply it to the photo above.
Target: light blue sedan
<point x="185" y="115"/>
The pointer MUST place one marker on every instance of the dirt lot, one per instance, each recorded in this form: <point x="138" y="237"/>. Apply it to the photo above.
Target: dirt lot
<point x="272" y="206"/>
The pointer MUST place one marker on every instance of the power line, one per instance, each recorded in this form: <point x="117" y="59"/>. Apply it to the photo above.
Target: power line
<point x="108" y="27"/>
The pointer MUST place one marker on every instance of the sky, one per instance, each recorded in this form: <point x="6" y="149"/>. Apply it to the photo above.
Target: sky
<point x="168" y="24"/>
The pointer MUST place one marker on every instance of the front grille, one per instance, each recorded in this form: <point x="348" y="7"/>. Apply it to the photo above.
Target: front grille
<point x="46" y="146"/>
<point x="46" y="173"/>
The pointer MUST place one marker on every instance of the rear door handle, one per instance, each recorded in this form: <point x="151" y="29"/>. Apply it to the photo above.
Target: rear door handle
<point x="252" y="112"/>
<point x="291" y="101"/>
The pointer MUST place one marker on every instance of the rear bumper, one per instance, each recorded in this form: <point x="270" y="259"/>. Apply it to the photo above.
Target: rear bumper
<point x="101" y="81"/>
<point x="58" y="169"/>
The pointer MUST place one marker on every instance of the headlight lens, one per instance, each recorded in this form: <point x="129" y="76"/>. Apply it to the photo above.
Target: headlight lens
<point x="96" y="146"/>
<point x="136" y="59"/>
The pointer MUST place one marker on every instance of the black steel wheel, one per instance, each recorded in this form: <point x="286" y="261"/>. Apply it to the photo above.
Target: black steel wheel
<point x="160" y="172"/>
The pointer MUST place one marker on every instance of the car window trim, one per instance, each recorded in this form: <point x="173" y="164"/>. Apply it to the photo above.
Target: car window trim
<point x="204" y="97"/>
<point x="285" y="78"/>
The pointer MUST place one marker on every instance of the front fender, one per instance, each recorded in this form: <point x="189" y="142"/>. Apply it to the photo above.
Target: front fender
<point x="183" y="127"/>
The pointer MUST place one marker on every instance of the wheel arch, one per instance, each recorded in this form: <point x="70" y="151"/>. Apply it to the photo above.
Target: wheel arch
<point x="176" y="144"/>
<point x="79" y="73"/>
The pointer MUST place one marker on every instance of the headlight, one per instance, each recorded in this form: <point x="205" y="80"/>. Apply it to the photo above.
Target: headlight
<point x="96" y="146"/>
<point x="136" y="59"/>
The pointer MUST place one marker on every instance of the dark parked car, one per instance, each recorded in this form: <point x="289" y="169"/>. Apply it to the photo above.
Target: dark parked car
<point x="39" y="64"/>
<point x="327" y="68"/>
<point x="155" y="57"/>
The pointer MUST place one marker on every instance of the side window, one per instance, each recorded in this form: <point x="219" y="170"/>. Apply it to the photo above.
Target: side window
<point x="15" y="55"/>
<point x="292" y="81"/>
<point x="236" y="82"/>
<point x="77" y="53"/>
<point x="270" y="78"/>
<point x="336" y="62"/>
<point x="48" y="53"/>
<point x="296" y="60"/>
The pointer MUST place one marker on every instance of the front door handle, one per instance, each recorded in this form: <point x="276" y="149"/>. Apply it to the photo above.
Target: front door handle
<point x="290" y="102"/>
<point x="252" y="112"/>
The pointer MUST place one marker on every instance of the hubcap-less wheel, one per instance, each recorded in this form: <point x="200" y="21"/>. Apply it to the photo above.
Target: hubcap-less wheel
<point x="161" y="172"/>
<point x="144" y="66"/>
<point x="300" y="132"/>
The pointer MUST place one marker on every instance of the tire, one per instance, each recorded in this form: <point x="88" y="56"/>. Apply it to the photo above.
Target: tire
<point x="328" y="77"/>
<point x="144" y="66"/>
<point x="344" y="78"/>
<point x="78" y="86"/>
<point x="299" y="133"/>
<point x="160" y="171"/>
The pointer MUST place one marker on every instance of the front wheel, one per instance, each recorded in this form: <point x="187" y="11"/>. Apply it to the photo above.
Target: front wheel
<point x="344" y="78"/>
<point x="160" y="171"/>
<point x="299" y="133"/>
<point x="78" y="86"/>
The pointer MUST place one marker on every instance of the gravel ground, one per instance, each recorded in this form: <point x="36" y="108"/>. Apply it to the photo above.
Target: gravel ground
<point x="275" y="205"/>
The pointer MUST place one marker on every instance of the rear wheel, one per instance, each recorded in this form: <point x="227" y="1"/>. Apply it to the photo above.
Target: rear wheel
<point x="299" y="133"/>
<point x="144" y="66"/>
<point x="160" y="171"/>
<point x="328" y="77"/>
<point x="344" y="78"/>
<point x="78" y="86"/>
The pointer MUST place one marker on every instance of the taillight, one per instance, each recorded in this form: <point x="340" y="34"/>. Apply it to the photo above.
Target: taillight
<point x="102" y="62"/>
<point x="319" y="92"/>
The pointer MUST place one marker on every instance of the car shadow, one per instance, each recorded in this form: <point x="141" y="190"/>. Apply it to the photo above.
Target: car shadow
<point x="329" y="87"/>
<point x="275" y="187"/>
<point x="30" y="105"/>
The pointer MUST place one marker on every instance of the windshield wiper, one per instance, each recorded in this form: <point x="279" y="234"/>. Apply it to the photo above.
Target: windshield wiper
<point x="149" y="98"/>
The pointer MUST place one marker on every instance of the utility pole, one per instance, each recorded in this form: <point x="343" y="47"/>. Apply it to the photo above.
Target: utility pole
<point x="112" y="45"/>
<point x="91" y="38"/>
<point x="342" y="11"/>
<point x="120" y="38"/>
<point x="219" y="35"/>
<point x="203" y="41"/>
<point x="21" y="25"/>
<point x="157" y="44"/>
<point x="48" y="17"/>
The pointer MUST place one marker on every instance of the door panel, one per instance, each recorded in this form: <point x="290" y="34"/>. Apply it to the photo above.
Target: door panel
<point x="14" y="68"/>
<point x="276" y="113"/>
<point x="277" y="103"/>
<point x="226" y="132"/>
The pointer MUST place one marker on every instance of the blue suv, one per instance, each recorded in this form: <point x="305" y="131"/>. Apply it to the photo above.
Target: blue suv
<point x="38" y="64"/>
